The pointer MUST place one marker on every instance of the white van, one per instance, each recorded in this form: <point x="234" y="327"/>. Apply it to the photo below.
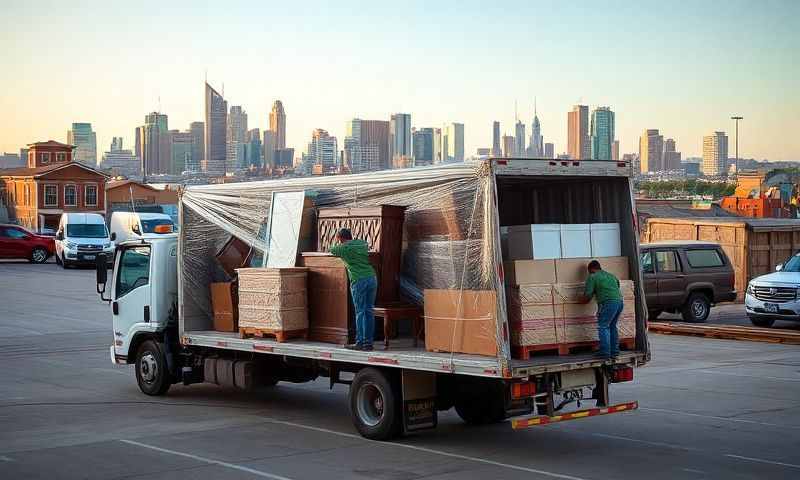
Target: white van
<point x="80" y="237"/>
<point x="133" y="225"/>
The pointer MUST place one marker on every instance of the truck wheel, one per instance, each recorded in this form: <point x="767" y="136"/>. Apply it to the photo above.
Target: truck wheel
<point x="696" y="309"/>
<point x="762" y="322"/>
<point x="58" y="259"/>
<point x="38" y="255"/>
<point x="151" y="369"/>
<point x="482" y="404"/>
<point x="375" y="404"/>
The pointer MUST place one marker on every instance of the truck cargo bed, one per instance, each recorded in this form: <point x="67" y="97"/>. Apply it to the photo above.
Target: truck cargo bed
<point x="400" y="354"/>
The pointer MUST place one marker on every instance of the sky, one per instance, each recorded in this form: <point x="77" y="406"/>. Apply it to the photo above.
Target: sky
<point x="681" y="66"/>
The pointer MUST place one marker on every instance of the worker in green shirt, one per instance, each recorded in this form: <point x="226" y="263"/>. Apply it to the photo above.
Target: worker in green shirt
<point x="363" y="285"/>
<point x="604" y="287"/>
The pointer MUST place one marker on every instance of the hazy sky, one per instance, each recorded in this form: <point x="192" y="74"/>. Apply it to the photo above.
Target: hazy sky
<point x="681" y="66"/>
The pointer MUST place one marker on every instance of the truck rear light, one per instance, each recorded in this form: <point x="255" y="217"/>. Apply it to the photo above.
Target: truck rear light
<point x="622" y="374"/>
<point x="523" y="390"/>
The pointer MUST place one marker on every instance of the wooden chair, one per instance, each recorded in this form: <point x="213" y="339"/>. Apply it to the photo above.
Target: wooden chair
<point x="399" y="311"/>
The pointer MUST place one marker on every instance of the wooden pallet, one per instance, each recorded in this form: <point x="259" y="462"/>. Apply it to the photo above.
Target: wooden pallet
<point x="280" y="335"/>
<point x="528" y="351"/>
<point x="728" y="332"/>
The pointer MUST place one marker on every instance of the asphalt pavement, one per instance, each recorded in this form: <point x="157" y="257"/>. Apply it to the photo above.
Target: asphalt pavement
<point x="709" y="409"/>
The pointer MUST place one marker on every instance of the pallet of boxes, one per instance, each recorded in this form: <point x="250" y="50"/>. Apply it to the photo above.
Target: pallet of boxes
<point x="545" y="275"/>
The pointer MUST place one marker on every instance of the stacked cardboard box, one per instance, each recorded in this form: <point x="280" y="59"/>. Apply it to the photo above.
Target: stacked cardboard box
<point x="580" y="319"/>
<point x="461" y="321"/>
<point x="273" y="300"/>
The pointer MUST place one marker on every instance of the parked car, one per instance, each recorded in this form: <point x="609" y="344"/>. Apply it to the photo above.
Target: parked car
<point x="686" y="277"/>
<point x="18" y="242"/>
<point x="80" y="238"/>
<point x="136" y="225"/>
<point x="774" y="296"/>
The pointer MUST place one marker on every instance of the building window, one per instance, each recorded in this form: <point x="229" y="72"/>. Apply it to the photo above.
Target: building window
<point x="27" y="193"/>
<point x="90" y="196"/>
<point x="61" y="157"/>
<point x="44" y="157"/>
<point x="51" y="195"/>
<point x="70" y="196"/>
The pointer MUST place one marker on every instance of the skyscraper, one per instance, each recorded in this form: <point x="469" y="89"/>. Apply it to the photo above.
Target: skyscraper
<point x="497" y="148"/>
<point x="252" y="149"/>
<point x="198" y="145"/>
<point x="615" y="150"/>
<point x="82" y="136"/>
<point x="120" y="161"/>
<point x="400" y="139"/>
<point x="323" y="150"/>
<point x="423" y="147"/>
<point x="234" y="139"/>
<point x="651" y="151"/>
<point x="268" y="145"/>
<point x="508" y="146"/>
<point x="715" y="154"/>
<point x="437" y="146"/>
<point x="116" y="144"/>
<point x="519" y="139"/>
<point x="578" y="146"/>
<point x="453" y="143"/>
<point x="373" y="137"/>
<point x="672" y="158"/>
<point x="215" y="133"/>
<point x="181" y="144"/>
<point x="549" y="150"/>
<point x="153" y="144"/>
<point x="277" y="123"/>
<point x="536" y="146"/>
<point x="602" y="133"/>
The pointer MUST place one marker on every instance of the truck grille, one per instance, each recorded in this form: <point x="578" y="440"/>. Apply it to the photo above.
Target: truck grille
<point x="775" y="294"/>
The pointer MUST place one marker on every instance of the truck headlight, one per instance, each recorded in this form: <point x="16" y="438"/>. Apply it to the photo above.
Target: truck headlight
<point x="72" y="246"/>
<point x="106" y="246"/>
<point x="750" y="289"/>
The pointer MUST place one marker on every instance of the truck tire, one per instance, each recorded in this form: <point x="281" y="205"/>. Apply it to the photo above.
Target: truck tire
<point x="58" y="259"/>
<point x="481" y="404"/>
<point x="152" y="373"/>
<point x="696" y="308"/>
<point x="376" y="405"/>
<point x="762" y="322"/>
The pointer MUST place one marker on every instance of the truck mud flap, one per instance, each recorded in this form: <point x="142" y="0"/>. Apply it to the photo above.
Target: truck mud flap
<point x="525" y="422"/>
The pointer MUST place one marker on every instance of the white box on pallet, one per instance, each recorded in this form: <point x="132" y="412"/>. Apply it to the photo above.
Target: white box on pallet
<point x="606" y="240"/>
<point x="576" y="240"/>
<point x="534" y="242"/>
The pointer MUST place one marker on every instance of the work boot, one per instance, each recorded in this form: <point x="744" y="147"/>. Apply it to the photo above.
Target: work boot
<point x="354" y="346"/>
<point x="367" y="348"/>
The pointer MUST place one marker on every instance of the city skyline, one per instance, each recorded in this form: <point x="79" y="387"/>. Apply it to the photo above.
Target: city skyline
<point x="474" y="86"/>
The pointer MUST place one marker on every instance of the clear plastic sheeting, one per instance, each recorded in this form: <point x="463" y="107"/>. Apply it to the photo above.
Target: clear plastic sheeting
<point x="450" y="235"/>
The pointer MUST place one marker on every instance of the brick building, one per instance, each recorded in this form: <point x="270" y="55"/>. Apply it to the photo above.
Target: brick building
<point x="35" y="196"/>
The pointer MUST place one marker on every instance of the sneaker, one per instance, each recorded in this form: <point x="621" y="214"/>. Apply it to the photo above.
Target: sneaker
<point x="367" y="348"/>
<point x="354" y="346"/>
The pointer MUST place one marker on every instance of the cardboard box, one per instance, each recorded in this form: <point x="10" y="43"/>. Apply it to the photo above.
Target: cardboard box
<point x="522" y="272"/>
<point x="606" y="240"/>
<point x="574" y="270"/>
<point x="534" y="242"/>
<point x="224" y="306"/>
<point x="461" y="321"/>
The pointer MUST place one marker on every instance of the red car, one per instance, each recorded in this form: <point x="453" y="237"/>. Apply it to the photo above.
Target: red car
<point x="17" y="242"/>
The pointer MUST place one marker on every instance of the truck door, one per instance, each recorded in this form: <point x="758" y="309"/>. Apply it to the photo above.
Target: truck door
<point x="671" y="279"/>
<point x="130" y="304"/>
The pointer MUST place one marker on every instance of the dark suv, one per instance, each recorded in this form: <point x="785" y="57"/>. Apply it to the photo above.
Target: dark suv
<point x="687" y="277"/>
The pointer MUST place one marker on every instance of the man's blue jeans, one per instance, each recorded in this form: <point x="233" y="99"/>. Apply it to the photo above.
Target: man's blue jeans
<point x="607" y="315"/>
<point x="364" y="292"/>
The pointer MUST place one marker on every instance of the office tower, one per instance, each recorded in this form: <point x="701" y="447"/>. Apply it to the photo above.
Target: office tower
<point x="284" y="158"/>
<point x="549" y="150"/>
<point x="400" y="139"/>
<point x="672" y="158"/>
<point x="277" y="123"/>
<point x="519" y="139"/>
<point x="10" y="160"/>
<point x="268" y="145"/>
<point x="651" y="151"/>
<point x="423" y="147"/>
<point x="615" y="150"/>
<point x="121" y="162"/>
<point x="373" y="136"/>
<point x="216" y="130"/>
<point x="153" y="144"/>
<point x="715" y="154"/>
<point x="508" y="146"/>
<point x="85" y="141"/>
<point x="453" y="143"/>
<point x="437" y="146"/>
<point x="497" y="149"/>
<point x="181" y="144"/>
<point x="536" y="147"/>
<point x="578" y="146"/>
<point x="322" y="150"/>
<point x="633" y="160"/>
<point x="198" y="144"/>
<point x="116" y="144"/>
<point x="252" y="149"/>
<point x="234" y="139"/>
<point x="602" y="133"/>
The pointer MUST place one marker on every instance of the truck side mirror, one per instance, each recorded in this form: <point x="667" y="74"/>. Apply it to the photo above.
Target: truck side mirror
<point x="101" y="266"/>
<point x="113" y="236"/>
<point x="60" y="236"/>
<point x="779" y="267"/>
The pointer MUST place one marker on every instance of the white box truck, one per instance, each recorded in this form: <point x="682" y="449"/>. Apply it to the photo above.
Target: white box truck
<point x="162" y="320"/>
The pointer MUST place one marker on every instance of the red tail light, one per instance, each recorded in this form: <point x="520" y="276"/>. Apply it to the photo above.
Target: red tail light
<point x="523" y="390"/>
<point x="622" y="374"/>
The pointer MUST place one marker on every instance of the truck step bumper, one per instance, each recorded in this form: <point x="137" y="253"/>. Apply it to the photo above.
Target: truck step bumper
<point x="525" y="422"/>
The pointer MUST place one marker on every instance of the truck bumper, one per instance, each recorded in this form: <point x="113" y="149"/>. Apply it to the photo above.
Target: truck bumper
<point x="727" y="297"/>
<point x="525" y="422"/>
<point x="757" y="309"/>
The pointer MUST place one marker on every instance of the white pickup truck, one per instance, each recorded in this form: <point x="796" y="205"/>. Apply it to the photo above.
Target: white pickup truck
<point x="162" y="321"/>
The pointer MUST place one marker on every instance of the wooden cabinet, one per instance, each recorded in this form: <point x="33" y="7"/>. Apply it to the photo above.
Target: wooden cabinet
<point x="381" y="227"/>
<point x="331" y="317"/>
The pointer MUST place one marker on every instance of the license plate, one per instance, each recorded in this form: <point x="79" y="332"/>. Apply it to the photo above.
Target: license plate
<point x="88" y="257"/>
<point x="771" y="308"/>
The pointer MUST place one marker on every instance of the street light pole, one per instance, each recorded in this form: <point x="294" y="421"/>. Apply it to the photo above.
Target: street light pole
<point x="737" y="118"/>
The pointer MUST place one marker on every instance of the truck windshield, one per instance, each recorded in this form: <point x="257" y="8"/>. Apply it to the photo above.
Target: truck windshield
<point x="149" y="225"/>
<point x="83" y="230"/>
<point x="793" y="265"/>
